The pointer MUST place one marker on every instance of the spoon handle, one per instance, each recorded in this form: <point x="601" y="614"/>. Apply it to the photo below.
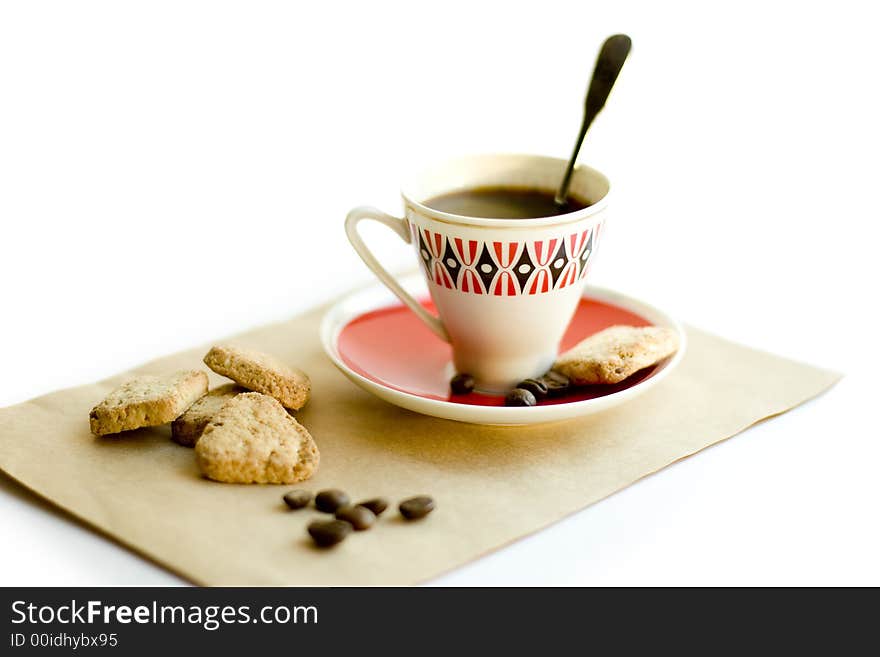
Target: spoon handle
<point x="608" y="64"/>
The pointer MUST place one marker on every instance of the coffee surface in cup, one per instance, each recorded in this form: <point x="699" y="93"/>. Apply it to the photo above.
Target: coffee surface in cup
<point x="504" y="203"/>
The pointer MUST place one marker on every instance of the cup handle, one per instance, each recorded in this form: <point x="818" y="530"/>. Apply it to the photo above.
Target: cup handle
<point x="399" y="226"/>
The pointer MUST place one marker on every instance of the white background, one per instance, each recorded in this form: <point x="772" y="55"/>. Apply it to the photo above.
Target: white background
<point x="171" y="172"/>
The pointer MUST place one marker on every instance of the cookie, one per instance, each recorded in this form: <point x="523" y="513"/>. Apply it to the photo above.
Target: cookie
<point x="186" y="429"/>
<point x="253" y="440"/>
<point x="147" y="401"/>
<point x="262" y="373"/>
<point x="612" y="355"/>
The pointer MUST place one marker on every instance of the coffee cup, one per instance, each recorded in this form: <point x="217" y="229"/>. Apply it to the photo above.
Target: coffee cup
<point x="505" y="289"/>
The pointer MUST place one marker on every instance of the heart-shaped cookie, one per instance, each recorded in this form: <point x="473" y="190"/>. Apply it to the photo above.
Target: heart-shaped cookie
<point x="253" y="440"/>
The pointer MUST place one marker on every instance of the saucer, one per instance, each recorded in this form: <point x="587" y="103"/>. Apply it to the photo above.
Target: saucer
<point x="385" y="349"/>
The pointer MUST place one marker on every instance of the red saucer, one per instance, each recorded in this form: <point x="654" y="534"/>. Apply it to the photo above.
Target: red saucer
<point x="391" y="347"/>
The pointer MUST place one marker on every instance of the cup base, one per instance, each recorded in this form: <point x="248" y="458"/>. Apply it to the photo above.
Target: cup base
<point x="499" y="378"/>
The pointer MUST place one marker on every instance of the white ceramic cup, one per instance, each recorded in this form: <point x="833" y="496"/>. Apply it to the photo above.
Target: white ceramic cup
<point x="505" y="289"/>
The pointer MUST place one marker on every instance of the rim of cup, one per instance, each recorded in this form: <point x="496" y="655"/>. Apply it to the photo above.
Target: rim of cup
<point x="413" y="200"/>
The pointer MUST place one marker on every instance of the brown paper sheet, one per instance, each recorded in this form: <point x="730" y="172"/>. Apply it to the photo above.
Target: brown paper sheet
<point x="493" y="485"/>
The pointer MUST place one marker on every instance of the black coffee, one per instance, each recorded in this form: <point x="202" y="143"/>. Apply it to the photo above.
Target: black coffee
<point x="504" y="203"/>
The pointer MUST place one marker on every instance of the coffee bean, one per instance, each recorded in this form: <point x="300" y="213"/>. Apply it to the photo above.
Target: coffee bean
<point x="377" y="505"/>
<point x="297" y="499"/>
<point x="359" y="517"/>
<point x="557" y="384"/>
<point x="416" y="507"/>
<point x="329" y="532"/>
<point x="535" y="386"/>
<point x="462" y="384"/>
<point x="331" y="499"/>
<point x="520" y="397"/>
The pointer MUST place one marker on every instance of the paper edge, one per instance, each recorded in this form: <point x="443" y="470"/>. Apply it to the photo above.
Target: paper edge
<point x="837" y="374"/>
<point x="84" y="523"/>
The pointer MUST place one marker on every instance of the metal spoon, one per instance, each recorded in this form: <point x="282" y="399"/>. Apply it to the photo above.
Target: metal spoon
<point x="608" y="64"/>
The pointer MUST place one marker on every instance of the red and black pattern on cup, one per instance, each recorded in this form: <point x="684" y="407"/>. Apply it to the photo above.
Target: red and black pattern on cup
<point x="589" y="248"/>
<point x="574" y="246"/>
<point x="469" y="280"/>
<point x="506" y="268"/>
<point x="424" y="253"/>
<point x="436" y="245"/>
<point x="542" y="253"/>
<point x="506" y="283"/>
